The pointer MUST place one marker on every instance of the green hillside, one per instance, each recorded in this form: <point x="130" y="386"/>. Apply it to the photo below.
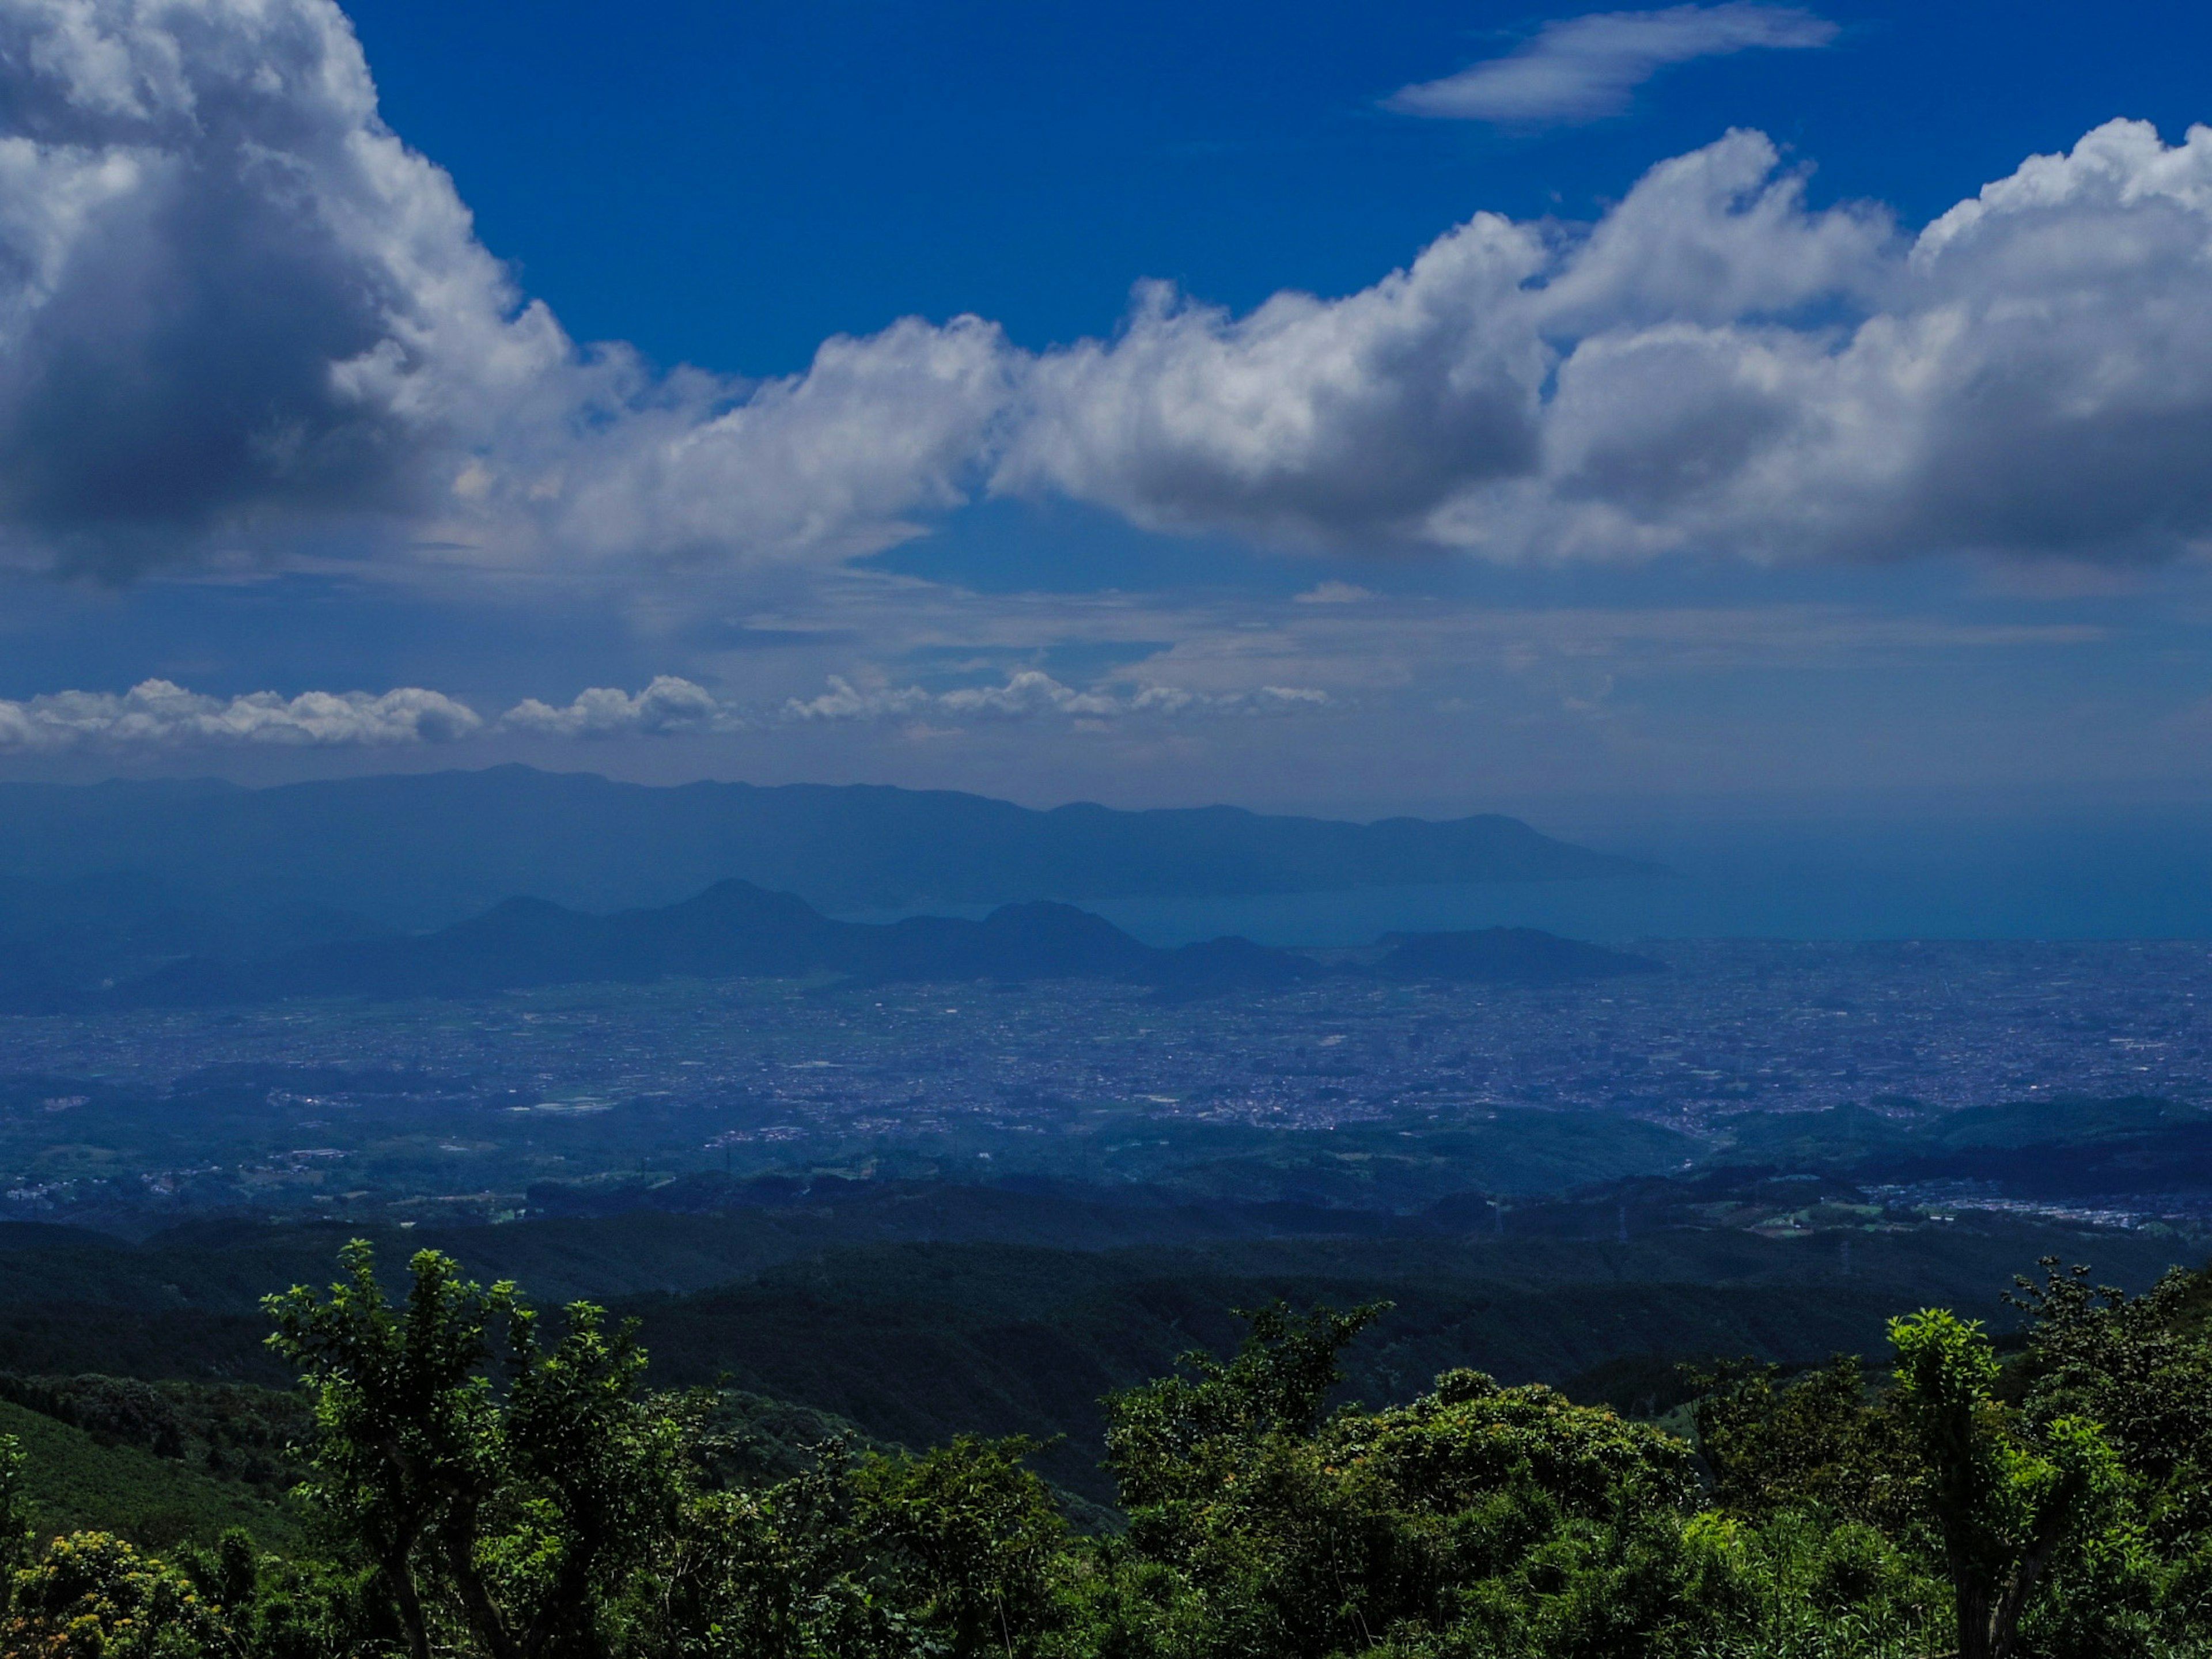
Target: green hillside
<point x="918" y="1343"/>
<point x="75" y="1484"/>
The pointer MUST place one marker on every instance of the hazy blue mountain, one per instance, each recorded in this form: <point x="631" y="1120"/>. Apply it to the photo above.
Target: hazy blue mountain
<point x="732" y="929"/>
<point x="423" y="850"/>
<point x="735" y="929"/>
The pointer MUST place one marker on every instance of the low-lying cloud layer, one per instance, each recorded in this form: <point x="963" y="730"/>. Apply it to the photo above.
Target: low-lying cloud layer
<point x="156" y="715"/>
<point x="1715" y="367"/>
<point x="669" y="705"/>
<point x="1032" y="692"/>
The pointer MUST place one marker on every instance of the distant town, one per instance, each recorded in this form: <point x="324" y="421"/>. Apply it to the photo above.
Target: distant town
<point x="462" y="1107"/>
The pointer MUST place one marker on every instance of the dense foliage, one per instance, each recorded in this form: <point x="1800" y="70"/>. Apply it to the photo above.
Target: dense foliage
<point x="480" y="1485"/>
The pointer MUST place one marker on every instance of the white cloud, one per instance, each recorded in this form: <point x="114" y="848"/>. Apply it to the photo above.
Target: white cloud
<point x="667" y="705"/>
<point x="2033" y="375"/>
<point x="844" y="701"/>
<point x="156" y="714"/>
<point x="1309" y="418"/>
<point x="1714" y="366"/>
<point x="163" y="158"/>
<point x="817" y="467"/>
<point x="1582" y="69"/>
<point x="1285" y="699"/>
<point x="1376" y="415"/>
<point x="1031" y="693"/>
<point x="1026" y="692"/>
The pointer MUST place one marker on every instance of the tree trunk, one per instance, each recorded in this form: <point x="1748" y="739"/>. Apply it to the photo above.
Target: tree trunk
<point x="404" y="1594"/>
<point x="2004" y="1617"/>
<point x="476" y="1601"/>
<point x="1973" y="1614"/>
<point x="567" y="1623"/>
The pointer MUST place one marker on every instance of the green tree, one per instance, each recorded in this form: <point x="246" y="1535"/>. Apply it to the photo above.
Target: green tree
<point x="1172" y="1440"/>
<point x="595" y="1481"/>
<point x="406" y="1431"/>
<point x="1486" y="1519"/>
<point x="1820" y="1445"/>
<point x="520" y="1519"/>
<point x="786" y="1571"/>
<point x="495" y="1493"/>
<point x="271" y="1609"/>
<point x="2141" y="1368"/>
<point x="92" y="1595"/>
<point x="2005" y="1504"/>
<point x="972" y="1539"/>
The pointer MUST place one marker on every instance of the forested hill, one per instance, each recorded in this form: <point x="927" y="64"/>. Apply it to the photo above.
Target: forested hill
<point x="423" y="850"/>
<point x="732" y="929"/>
<point x="736" y="929"/>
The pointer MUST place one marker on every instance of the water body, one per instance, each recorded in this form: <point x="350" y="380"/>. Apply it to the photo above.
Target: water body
<point x="2146" y="876"/>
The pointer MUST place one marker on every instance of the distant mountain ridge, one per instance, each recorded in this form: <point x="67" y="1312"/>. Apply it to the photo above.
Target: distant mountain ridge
<point x="414" y="851"/>
<point x="736" y="929"/>
<point x="733" y="929"/>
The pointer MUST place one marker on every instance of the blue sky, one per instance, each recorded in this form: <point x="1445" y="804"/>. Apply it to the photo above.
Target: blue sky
<point x="729" y="184"/>
<point x="1046" y="399"/>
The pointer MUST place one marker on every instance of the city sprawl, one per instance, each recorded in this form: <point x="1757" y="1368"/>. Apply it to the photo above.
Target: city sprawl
<point x="461" y="1109"/>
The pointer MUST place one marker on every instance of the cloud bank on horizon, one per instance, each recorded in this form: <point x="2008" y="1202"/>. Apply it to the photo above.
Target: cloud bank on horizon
<point x="158" y="716"/>
<point x="1714" y="366"/>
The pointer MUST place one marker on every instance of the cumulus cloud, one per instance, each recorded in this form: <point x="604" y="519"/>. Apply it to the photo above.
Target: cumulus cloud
<point x="1031" y="693"/>
<point x="231" y="298"/>
<point x="667" y="705"/>
<point x="157" y="714"/>
<point x="1582" y="69"/>
<point x="1716" y="365"/>
<point x="235" y="310"/>
<point x="822" y="466"/>
<point x="1307" y="417"/>
<point x="1385" y="414"/>
<point x="237" y="314"/>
